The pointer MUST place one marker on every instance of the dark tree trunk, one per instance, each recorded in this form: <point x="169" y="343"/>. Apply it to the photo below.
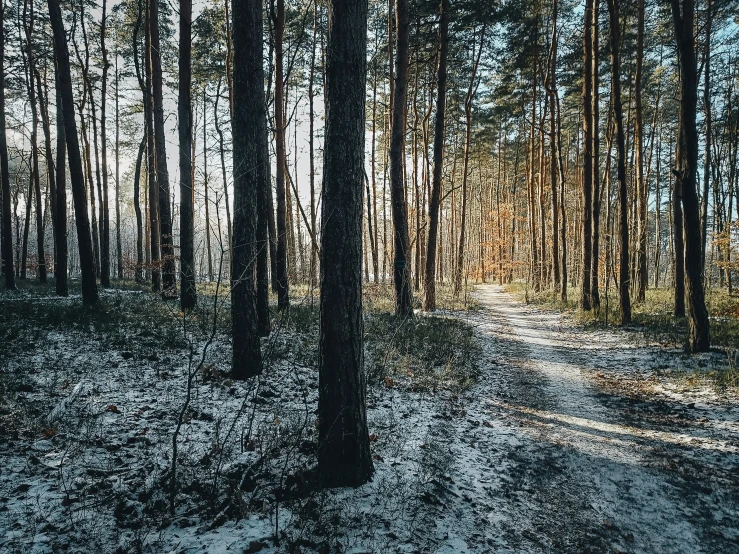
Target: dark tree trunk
<point x="344" y="457"/>
<point x="587" y="234"/>
<point x="595" y="253"/>
<point x="48" y="154"/>
<point x="206" y="183"/>
<point x="60" y="234"/>
<point x="169" y="282"/>
<point x="686" y="174"/>
<point x="552" y="86"/>
<point x="151" y="172"/>
<point x="105" y="213"/>
<point x="623" y="227"/>
<point x="465" y="166"/>
<point x="188" y="296"/>
<point x="28" y="23"/>
<point x="7" y="231"/>
<point x="311" y="117"/>
<point x="118" y="244"/>
<point x="642" y="191"/>
<point x="401" y="262"/>
<point x="679" y="247"/>
<point x="250" y="172"/>
<point x="139" y="275"/>
<point x="707" y="159"/>
<point x="84" y="240"/>
<point x="283" y="295"/>
<point x="429" y="284"/>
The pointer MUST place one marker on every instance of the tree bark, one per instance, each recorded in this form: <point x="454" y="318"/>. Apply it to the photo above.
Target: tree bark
<point x="105" y="214"/>
<point x="587" y="234"/>
<point x="707" y="159"/>
<point x="139" y="274"/>
<point x="465" y="166"/>
<point x="169" y="282"/>
<point x="641" y="184"/>
<point x="344" y="457"/>
<point x="188" y="296"/>
<point x="118" y="244"/>
<point x="429" y="284"/>
<point x="283" y="295"/>
<point x="151" y="171"/>
<point x="552" y="86"/>
<point x="686" y="174"/>
<point x="7" y="231"/>
<point x="624" y="299"/>
<point x="401" y="240"/>
<point x="60" y="234"/>
<point x="250" y="171"/>
<point x="84" y="240"/>
<point x="595" y="253"/>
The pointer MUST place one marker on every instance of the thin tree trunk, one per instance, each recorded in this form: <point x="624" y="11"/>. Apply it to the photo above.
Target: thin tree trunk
<point x="7" y="222"/>
<point x="51" y="177"/>
<point x="118" y="245"/>
<point x="139" y="276"/>
<point x="60" y="234"/>
<point x="281" y="261"/>
<point x="169" y="282"/>
<point x="151" y="166"/>
<point x="624" y="300"/>
<point x="429" y="301"/>
<point x="707" y="159"/>
<point x="401" y="241"/>
<point x="595" y="254"/>
<point x="467" y="147"/>
<point x="587" y="236"/>
<point x="641" y="183"/>
<point x="84" y="241"/>
<point x="188" y="296"/>
<point x="552" y="85"/>
<point x="105" y="214"/>
<point x="311" y="153"/>
<point x="206" y="192"/>
<point x="686" y="174"/>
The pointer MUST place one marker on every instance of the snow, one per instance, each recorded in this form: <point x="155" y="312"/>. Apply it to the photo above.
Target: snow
<point x="571" y="440"/>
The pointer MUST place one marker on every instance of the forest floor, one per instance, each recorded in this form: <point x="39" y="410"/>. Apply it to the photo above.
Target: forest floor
<point x="495" y="427"/>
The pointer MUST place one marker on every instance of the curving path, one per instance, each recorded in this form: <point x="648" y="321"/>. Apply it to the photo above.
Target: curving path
<point x="550" y="460"/>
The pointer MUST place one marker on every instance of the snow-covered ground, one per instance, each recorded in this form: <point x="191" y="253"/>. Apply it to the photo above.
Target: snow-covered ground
<point x="569" y="441"/>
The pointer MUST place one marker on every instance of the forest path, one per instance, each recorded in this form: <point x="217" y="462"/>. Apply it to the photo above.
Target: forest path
<point x="551" y="461"/>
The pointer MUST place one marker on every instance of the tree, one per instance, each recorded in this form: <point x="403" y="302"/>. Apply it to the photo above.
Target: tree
<point x="7" y="230"/>
<point x="587" y="122"/>
<point x="642" y="192"/>
<point x="84" y="240"/>
<point x="596" y="186"/>
<point x="155" y="243"/>
<point x="60" y="233"/>
<point x="187" y="193"/>
<point x="344" y="457"/>
<point x="623" y="222"/>
<point x="686" y="171"/>
<point x="429" y="284"/>
<point x="283" y="295"/>
<point x="104" y="212"/>
<point x="169" y="282"/>
<point x="401" y="265"/>
<point x="249" y="129"/>
<point x="29" y="24"/>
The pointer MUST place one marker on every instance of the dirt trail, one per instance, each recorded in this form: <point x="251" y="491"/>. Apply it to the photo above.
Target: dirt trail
<point x="551" y="461"/>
